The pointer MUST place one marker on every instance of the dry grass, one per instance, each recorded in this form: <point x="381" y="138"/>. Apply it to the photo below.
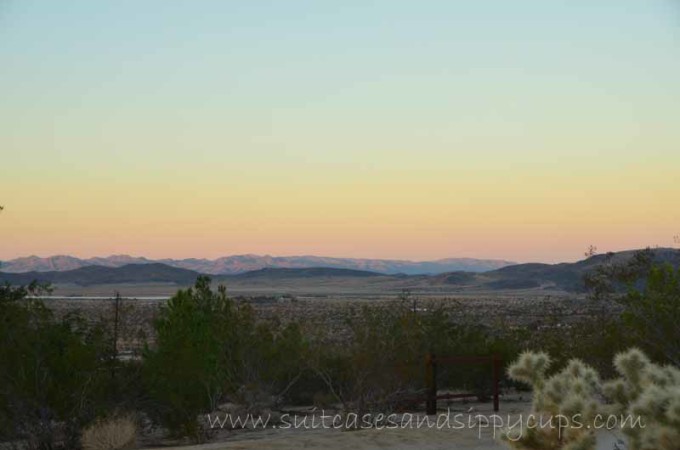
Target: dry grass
<point x="111" y="434"/>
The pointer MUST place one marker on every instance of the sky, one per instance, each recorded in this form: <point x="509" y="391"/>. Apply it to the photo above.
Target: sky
<point x="521" y="130"/>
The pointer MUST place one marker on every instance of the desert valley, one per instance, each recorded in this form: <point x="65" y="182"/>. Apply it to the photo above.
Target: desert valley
<point x="339" y="225"/>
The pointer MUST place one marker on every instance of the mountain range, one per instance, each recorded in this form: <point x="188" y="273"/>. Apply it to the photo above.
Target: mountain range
<point x="244" y="263"/>
<point x="566" y="277"/>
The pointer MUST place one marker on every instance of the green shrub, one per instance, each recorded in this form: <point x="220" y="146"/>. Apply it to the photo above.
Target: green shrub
<point x="275" y="360"/>
<point x="652" y="313"/>
<point x="381" y="364"/>
<point x="209" y="347"/>
<point x="50" y="382"/>
<point x="645" y="295"/>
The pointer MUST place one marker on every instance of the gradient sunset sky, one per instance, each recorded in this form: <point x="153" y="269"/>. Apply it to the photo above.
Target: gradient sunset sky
<point x="522" y="130"/>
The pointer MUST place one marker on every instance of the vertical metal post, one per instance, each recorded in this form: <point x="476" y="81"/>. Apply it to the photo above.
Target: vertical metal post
<point x="431" y="384"/>
<point x="496" y="381"/>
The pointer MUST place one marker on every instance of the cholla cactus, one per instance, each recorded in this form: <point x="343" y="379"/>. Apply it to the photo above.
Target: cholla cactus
<point x="646" y="394"/>
<point x="652" y="393"/>
<point x="530" y="368"/>
<point x="565" y="402"/>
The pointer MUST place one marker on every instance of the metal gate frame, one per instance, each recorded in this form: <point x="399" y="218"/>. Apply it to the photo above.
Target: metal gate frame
<point x="431" y="363"/>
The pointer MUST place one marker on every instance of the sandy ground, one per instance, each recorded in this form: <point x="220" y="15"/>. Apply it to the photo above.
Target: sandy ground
<point x="408" y="438"/>
<point x="363" y="440"/>
<point x="471" y="437"/>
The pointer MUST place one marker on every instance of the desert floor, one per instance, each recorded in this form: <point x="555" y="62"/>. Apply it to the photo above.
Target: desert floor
<point x="471" y="437"/>
<point x="411" y="438"/>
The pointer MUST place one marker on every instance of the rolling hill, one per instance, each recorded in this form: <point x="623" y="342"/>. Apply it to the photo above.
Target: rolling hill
<point x="562" y="276"/>
<point x="93" y="275"/>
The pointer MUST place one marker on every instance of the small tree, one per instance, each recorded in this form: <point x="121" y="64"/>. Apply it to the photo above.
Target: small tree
<point x="188" y="371"/>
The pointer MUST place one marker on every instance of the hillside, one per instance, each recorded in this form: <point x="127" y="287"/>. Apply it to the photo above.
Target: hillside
<point x="157" y="272"/>
<point x="562" y="276"/>
<point x="93" y="275"/>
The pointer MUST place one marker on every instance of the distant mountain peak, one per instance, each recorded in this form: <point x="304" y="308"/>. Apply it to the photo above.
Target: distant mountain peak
<point x="234" y="264"/>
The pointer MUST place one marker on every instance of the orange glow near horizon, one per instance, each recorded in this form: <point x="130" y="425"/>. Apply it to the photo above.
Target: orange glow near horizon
<point x="379" y="129"/>
<point x="424" y="218"/>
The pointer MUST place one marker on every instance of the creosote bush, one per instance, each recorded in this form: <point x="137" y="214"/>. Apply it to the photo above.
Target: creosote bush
<point x="51" y="384"/>
<point x="380" y="366"/>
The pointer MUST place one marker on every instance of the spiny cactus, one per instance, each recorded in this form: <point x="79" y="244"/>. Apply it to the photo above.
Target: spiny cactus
<point x="530" y="367"/>
<point x="646" y="393"/>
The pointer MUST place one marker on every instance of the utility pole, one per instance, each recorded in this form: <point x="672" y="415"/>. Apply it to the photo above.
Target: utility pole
<point x="114" y="342"/>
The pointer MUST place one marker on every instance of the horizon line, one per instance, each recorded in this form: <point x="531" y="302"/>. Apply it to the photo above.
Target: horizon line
<point x="160" y="259"/>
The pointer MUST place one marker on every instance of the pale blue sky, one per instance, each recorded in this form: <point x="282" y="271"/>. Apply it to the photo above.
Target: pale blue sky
<point x="287" y="69"/>
<point x="493" y="98"/>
